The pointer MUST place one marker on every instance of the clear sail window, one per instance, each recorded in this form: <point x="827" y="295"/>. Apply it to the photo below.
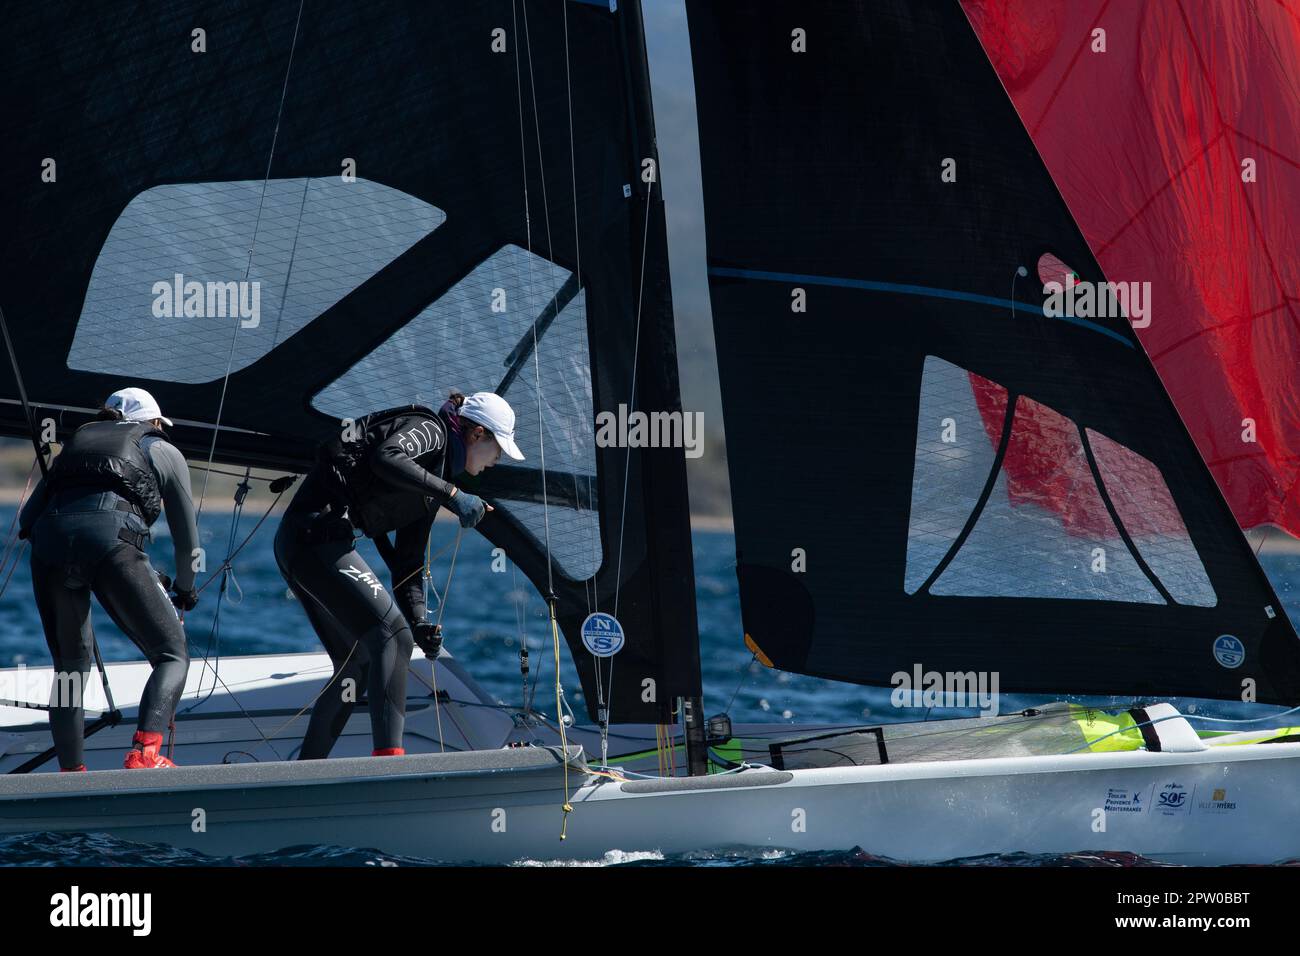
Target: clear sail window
<point x="1045" y="531"/>
<point x="174" y="286"/>
<point x="1147" y="510"/>
<point x="953" y="458"/>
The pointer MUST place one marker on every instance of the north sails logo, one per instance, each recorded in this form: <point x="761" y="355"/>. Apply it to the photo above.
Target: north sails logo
<point x="365" y="577"/>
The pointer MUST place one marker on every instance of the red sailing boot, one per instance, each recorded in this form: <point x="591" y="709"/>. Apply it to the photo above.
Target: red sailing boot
<point x="79" y="768"/>
<point x="144" y="754"/>
<point x="388" y="752"/>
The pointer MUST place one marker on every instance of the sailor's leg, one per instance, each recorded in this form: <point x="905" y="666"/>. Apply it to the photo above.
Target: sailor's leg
<point x="390" y="644"/>
<point x="130" y="592"/>
<point x="353" y="605"/>
<point x="330" y="712"/>
<point x="65" y="616"/>
<point x="326" y="579"/>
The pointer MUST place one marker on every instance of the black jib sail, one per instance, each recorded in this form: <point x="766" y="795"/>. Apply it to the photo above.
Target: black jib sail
<point x="961" y="481"/>
<point x="276" y="217"/>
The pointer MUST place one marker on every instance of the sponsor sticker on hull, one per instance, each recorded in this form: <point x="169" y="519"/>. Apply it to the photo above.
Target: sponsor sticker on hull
<point x="1126" y="800"/>
<point x="1172" y="799"/>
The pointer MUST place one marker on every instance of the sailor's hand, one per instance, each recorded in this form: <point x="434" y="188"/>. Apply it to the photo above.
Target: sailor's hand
<point x="185" y="600"/>
<point x="468" y="508"/>
<point x="428" y="637"/>
<point x="165" y="581"/>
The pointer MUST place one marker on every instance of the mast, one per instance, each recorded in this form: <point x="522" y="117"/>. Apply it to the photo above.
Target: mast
<point x="667" y="499"/>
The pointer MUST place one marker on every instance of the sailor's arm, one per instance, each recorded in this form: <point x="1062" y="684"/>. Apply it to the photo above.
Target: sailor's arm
<point x="178" y="506"/>
<point x="406" y="562"/>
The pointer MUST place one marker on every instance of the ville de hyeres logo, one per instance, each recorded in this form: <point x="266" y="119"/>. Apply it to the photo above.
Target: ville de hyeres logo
<point x="210" y="300"/>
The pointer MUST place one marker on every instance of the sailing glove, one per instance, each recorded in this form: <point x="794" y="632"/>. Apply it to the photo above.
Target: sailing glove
<point x="428" y="637"/>
<point x="468" y="508"/>
<point x="185" y="600"/>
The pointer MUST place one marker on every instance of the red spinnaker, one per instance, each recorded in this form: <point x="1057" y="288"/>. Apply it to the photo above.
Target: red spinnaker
<point x="1177" y="150"/>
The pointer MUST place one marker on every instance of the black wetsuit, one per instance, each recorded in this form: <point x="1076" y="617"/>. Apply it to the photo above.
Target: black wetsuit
<point x="91" y="539"/>
<point x="405" y="480"/>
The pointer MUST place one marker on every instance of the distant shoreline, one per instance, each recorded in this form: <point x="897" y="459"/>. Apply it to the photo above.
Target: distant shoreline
<point x="258" y="503"/>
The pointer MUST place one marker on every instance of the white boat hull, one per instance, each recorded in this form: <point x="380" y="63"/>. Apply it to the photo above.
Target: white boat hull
<point x="1224" y="805"/>
<point x="430" y="807"/>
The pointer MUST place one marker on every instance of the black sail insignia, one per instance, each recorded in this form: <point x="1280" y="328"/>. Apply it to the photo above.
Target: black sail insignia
<point x="301" y="214"/>
<point x="926" y="469"/>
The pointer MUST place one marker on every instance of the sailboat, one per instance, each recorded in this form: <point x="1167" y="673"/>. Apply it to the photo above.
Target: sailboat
<point x="470" y="193"/>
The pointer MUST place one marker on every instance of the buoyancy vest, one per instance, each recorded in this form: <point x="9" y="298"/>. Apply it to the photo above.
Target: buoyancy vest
<point x="108" y="455"/>
<point x="374" y="506"/>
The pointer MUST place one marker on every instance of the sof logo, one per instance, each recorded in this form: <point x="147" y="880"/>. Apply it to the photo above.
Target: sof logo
<point x="1229" y="651"/>
<point x="602" y="634"/>
<point x="1172" y="798"/>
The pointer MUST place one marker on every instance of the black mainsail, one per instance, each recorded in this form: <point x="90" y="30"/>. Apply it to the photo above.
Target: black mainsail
<point x="275" y="217"/>
<point x="984" y="488"/>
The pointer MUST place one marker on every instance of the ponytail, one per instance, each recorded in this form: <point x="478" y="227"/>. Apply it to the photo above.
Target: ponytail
<point x="107" y="414"/>
<point x="456" y="399"/>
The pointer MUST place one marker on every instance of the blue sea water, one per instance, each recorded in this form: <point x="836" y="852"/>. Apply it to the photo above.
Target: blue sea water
<point x="487" y="614"/>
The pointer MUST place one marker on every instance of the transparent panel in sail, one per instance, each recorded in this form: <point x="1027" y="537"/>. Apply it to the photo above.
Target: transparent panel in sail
<point x="955" y="449"/>
<point x="191" y="269"/>
<point x="470" y="340"/>
<point x="1149" y="515"/>
<point x="1045" y="531"/>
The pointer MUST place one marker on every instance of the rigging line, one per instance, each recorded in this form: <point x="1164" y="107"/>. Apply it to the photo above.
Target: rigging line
<point x="566" y="807"/>
<point x="13" y="525"/>
<point x="437" y="629"/>
<point x="306" y="707"/>
<point x="17" y="560"/>
<point x="22" y="394"/>
<point x="227" y="575"/>
<point x="588" y="583"/>
<point x="275" y="136"/>
<point x="231" y="556"/>
<point x="744" y="674"/>
<point x="293" y="256"/>
<point x="524" y="650"/>
<point x="627" y="461"/>
<point x="636" y="348"/>
<point x="550" y="253"/>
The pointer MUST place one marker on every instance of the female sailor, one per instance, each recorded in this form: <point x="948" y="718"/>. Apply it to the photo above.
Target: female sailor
<point x="392" y="477"/>
<point x="88" y="521"/>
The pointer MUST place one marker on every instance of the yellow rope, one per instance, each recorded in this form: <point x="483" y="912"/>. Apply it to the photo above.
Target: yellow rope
<point x="559" y="716"/>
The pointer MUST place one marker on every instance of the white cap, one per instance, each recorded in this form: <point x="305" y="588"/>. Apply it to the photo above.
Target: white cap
<point x="136" y="405"/>
<point x="495" y="414"/>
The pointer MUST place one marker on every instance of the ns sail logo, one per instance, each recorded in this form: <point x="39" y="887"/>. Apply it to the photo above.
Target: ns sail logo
<point x="602" y="634"/>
